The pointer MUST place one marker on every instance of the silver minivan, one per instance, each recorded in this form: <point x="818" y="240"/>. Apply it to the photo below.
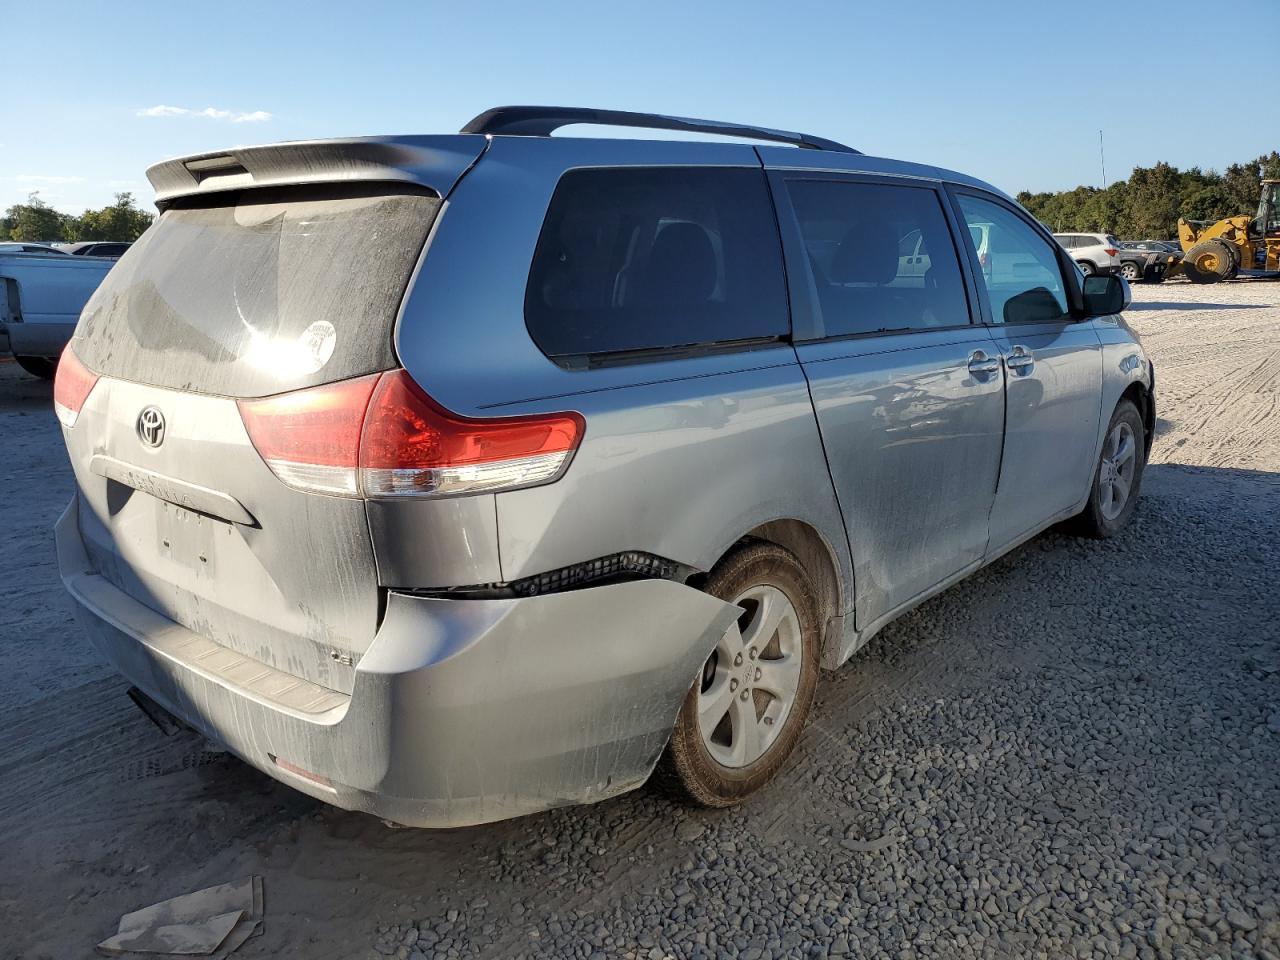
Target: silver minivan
<point x="452" y="478"/>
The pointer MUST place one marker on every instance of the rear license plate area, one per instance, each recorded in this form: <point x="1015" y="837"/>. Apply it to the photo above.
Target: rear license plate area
<point x="188" y="539"/>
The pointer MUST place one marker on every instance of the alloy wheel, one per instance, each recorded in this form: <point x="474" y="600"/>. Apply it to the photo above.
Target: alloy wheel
<point x="750" y="682"/>
<point x="1115" y="477"/>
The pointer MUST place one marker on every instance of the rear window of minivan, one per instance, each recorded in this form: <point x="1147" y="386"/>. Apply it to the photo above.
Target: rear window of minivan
<point x="644" y="259"/>
<point x="259" y="292"/>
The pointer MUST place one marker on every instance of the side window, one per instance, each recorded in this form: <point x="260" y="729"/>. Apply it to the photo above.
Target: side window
<point x="1020" y="271"/>
<point x="882" y="256"/>
<point x="644" y="258"/>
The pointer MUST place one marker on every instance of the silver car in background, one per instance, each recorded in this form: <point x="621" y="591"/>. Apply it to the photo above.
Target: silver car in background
<point x="452" y="478"/>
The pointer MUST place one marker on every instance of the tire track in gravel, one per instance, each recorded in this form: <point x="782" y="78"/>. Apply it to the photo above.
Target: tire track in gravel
<point x="1218" y="366"/>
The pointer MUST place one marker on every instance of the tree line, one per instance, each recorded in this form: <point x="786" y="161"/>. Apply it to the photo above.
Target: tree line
<point x="35" y="220"/>
<point x="1147" y="205"/>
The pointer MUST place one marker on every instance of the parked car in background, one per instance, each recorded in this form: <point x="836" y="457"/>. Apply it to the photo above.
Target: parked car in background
<point x="1148" y="259"/>
<point x="1093" y="252"/>
<point x="1155" y="246"/>
<point x="41" y="295"/>
<point x="23" y="246"/>
<point x="506" y="467"/>
<point x="1137" y="266"/>
<point x="96" y="248"/>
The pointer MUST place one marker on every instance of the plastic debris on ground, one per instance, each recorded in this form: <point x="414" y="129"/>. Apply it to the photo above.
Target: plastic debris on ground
<point x="208" y="923"/>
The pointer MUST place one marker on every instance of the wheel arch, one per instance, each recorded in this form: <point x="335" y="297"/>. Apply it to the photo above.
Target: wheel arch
<point x="1138" y="394"/>
<point x="832" y="588"/>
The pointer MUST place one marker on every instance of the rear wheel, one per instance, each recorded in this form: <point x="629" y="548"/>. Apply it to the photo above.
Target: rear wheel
<point x="747" y="706"/>
<point x="41" y="367"/>
<point x="1087" y="268"/>
<point x="1118" y="477"/>
<point x="1209" y="262"/>
<point x="1130" y="271"/>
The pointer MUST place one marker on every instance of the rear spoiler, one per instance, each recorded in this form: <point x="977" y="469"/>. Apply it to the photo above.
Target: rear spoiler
<point x="434" y="162"/>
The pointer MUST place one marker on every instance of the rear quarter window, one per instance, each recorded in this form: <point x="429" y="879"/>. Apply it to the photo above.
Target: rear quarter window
<point x="650" y="259"/>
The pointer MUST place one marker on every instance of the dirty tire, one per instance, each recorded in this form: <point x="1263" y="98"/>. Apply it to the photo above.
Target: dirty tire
<point x="1093" y="521"/>
<point x="1130" y="271"/>
<point x="1209" y="262"/>
<point x="687" y="767"/>
<point x="41" y="367"/>
<point x="1087" y="268"/>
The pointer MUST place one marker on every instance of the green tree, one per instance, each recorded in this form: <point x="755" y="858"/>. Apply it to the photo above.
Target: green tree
<point x="1241" y="183"/>
<point x="1153" y="200"/>
<point x="1150" y="202"/>
<point x="122" y="220"/>
<point x="34" y="220"/>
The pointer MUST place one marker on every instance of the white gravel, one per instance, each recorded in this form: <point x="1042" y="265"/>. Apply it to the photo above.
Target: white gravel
<point x="1074" y="753"/>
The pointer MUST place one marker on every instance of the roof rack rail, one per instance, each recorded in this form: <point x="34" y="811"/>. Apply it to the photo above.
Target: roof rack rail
<point x="527" y="121"/>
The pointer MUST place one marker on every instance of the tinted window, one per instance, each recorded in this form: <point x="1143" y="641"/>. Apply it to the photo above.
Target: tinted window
<point x="870" y="273"/>
<point x="1019" y="269"/>
<point x="647" y="258"/>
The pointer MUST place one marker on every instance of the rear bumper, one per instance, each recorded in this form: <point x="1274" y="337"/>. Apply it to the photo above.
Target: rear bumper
<point x="462" y="711"/>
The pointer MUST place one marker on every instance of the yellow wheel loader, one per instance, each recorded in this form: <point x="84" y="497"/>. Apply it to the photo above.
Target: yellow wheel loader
<point x="1222" y="249"/>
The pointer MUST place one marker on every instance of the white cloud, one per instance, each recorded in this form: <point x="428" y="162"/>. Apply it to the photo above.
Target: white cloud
<point x="37" y="178"/>
<point x="208" y="113"/>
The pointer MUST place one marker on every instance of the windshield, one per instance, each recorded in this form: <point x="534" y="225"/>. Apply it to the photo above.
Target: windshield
<point x="261" y="292"/>
<point x="1269" y="208"/>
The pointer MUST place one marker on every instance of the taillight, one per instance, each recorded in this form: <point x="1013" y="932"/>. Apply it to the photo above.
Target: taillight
<point x="311" y="438"/>
<point x="1110" y="251"/>
<point x="414" y="447"/>
<point x="382" y="436"/>
<point x="72" y="385"/>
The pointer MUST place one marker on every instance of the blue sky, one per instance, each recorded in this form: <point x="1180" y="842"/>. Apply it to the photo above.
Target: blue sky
<point x="1012" y="92"/>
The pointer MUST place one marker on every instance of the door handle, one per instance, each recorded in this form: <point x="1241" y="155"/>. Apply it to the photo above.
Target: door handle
<point x="982" y="365"/>
<point x="1020" y="360"/>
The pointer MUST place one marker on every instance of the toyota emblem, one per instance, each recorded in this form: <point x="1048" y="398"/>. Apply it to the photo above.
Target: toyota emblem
<point x="151" y="426"/>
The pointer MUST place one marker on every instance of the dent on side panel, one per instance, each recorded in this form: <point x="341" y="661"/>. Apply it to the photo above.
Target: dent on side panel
<point x="425" y="544"/>
<point x="511" y="706"/>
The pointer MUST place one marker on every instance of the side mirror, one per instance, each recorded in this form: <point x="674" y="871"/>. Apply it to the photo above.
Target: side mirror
<point x="1106" y="295"/>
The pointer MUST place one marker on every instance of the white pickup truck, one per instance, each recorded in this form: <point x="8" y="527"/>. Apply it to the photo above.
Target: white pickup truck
<point x="41" y="296"/>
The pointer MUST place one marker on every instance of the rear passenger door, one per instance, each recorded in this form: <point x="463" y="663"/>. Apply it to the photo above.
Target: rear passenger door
<point x="1053" y="373"/>
<point x="906" y="388"/>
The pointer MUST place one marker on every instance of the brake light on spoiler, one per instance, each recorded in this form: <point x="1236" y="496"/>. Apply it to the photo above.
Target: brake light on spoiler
<point x="382" y="436"/>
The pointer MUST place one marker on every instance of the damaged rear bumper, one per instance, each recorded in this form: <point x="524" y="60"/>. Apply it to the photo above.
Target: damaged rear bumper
<point x="462" y="711"/>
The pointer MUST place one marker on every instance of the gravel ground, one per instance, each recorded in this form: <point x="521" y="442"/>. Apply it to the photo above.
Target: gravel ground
<point x="1074" y="753"/>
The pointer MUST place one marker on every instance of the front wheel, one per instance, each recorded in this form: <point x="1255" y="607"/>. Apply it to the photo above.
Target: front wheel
<point x="1118" y="476"/>
<point x="1209" y="262"/>
<point x="1130" y="272"/>
<point x="748" y="704"/>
